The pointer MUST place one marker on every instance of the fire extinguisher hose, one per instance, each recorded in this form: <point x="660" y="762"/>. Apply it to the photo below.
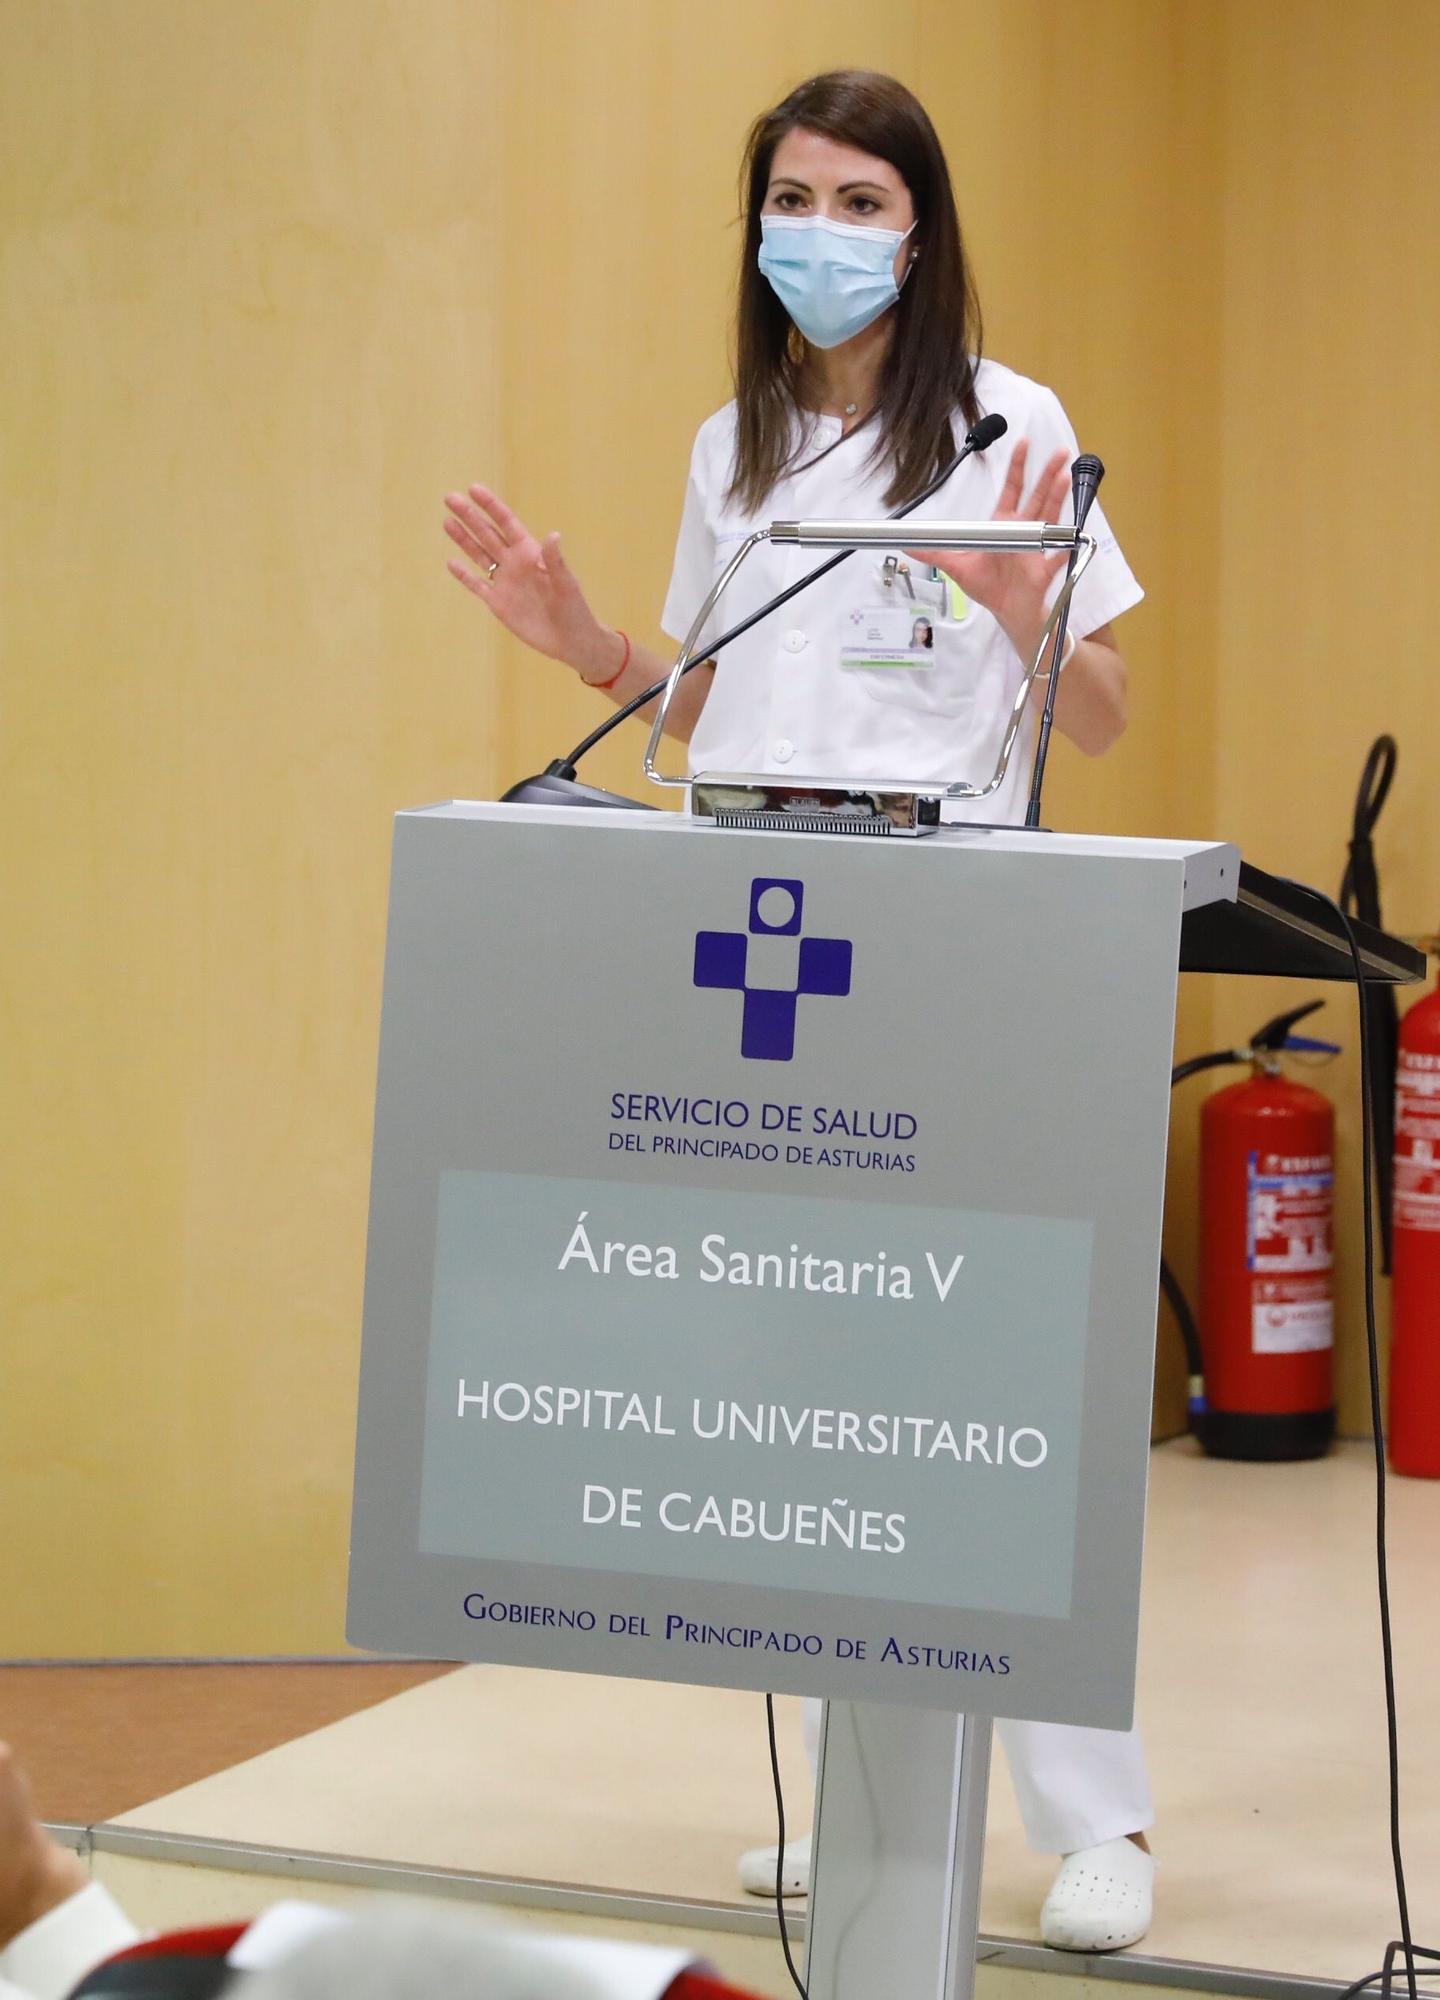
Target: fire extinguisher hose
<point x="1189" y="1338"/>
<point x="1170" y="1285"/>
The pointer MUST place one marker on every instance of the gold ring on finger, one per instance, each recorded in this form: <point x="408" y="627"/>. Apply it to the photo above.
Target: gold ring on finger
<point x="490" y="573"/>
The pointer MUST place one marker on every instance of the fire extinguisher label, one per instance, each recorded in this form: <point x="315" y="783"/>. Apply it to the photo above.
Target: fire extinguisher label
<point x="1289" y="1252"/>
<point x="1417" y="1141"/>
<point x="1289" y="1211"/>
<point x="1281" y="1323"/>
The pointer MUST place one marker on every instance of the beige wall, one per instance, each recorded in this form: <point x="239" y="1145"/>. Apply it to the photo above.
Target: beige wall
<point x="1330" y="296"/>
<point x="274" y="277"/>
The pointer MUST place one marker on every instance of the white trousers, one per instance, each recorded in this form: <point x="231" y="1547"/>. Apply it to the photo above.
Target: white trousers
<point x="1075" y="1787"/>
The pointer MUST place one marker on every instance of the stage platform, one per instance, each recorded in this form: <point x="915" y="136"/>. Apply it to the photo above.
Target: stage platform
<point x="621" y="1805"/>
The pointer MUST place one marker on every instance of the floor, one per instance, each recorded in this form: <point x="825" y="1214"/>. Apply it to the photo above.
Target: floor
<point x="1261" y="1701"/>
<point x="98" y="1740"/>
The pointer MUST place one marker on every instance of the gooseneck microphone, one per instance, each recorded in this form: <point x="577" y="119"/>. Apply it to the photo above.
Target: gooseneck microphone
<point x="557" y="783"/>
<point x="980" y="436"/>
<point x="1085" y="476"/>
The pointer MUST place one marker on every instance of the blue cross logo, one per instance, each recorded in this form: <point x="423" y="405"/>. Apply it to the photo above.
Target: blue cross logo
<point x="772" y="965"/>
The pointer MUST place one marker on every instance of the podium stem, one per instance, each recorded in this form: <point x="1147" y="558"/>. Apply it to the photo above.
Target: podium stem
<point x="899" y="1841"/>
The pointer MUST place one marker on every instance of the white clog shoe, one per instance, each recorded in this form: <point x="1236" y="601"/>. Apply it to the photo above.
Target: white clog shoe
<point x="1101" y="1900"/>
<point x="757" y="1869"/>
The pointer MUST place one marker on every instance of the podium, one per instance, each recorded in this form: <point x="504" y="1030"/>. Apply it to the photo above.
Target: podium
<point x="761" y="1289"/>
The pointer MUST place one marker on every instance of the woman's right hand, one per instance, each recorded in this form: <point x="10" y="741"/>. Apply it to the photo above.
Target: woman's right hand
<point x="526" y="583"/>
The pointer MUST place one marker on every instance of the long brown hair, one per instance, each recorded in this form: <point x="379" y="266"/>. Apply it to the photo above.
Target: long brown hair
<point x="929" y="369"/>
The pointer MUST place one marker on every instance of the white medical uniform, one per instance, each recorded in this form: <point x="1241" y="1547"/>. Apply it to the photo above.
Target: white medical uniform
<point x="781" y="702"/>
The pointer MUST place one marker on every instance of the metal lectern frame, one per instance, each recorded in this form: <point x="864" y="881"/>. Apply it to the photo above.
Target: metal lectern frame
<point x="1006" y="537"/>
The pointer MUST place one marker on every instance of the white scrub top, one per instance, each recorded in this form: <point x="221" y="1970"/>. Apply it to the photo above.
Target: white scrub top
<point x="785" y="700"/>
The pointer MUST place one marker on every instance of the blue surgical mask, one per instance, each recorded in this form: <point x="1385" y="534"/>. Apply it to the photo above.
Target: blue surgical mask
<point x="833" y="278"/>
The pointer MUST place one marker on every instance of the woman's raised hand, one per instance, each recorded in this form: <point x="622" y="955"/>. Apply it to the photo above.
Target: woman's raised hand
<point x="526" y="583"/>
<point x="1013" y="587"/>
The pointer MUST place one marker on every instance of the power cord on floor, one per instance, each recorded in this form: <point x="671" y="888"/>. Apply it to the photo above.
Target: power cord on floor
<point x="1404" y="1942"/>
<point x="780" y="1856"/>
<point x="1387" y="1970"/>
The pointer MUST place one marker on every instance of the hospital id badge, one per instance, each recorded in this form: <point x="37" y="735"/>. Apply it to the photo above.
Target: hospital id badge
<point x="898" y="629"/>
<point x="888" y="635"/>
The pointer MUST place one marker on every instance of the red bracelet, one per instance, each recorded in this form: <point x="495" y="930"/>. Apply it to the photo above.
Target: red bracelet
<point x="600" y="686"/>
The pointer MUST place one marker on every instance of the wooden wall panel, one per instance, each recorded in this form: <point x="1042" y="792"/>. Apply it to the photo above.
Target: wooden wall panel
<point x="242" y="331"/>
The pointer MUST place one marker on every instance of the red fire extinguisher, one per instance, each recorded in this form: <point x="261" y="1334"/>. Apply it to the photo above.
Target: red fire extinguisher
<point x="1267" y="1317"/>
<point x="1414" y="1427"/>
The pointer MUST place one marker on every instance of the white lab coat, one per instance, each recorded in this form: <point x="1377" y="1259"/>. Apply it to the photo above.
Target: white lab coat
<point x="784" y="701"/>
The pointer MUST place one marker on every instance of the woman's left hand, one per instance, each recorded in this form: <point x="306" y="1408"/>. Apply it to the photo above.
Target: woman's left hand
<point x="1012" y="587"/>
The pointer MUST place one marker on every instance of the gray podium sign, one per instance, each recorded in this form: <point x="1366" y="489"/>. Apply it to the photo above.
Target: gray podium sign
<point x="763" y="1254"/>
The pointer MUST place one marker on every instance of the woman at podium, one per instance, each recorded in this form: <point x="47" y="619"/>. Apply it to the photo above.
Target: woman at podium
<point x="858" y="370"/>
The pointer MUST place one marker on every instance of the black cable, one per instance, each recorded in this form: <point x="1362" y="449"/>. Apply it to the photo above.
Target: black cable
<point x="780" y="1856"/>
<point x="564" y="767"/>
<point x="1372" y="1344"/>
<point x="1385" y="1972"/>
<point x="1360" y="897"/>
<point x="1360" y="885"/>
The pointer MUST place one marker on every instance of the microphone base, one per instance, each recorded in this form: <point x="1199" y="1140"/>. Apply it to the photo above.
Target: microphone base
<point x="548" y="788"/>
